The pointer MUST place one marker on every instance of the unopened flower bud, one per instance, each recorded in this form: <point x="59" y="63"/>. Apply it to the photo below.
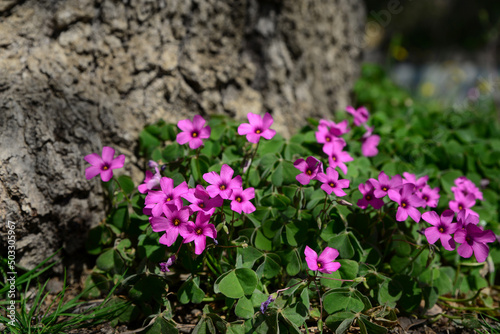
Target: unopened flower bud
<point x="264" y="305"/>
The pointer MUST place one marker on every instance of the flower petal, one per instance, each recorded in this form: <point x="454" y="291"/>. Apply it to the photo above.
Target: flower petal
<point x="107" y="154"/>
<point x="92" y="171"/>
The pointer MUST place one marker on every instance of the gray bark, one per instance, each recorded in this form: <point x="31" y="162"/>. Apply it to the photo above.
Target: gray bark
<point x="78" y="75"/>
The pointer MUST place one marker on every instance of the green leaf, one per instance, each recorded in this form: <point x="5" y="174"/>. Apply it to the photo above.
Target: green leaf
<point x="172" y="152"/>
<point x="270" y="267"/>
<point x="238" y="283"/>
<point x="296" y="232"/>
<point x="342" y="301"/>
<point x="211" y="148"/>
<point x="448" y="180"/>
<point x="126" y="183"/>
<point x="340" y="322"/>
<point x="190" y="292"/>
<point x="368" y="327"/>
<point x="249" y="255"/>
<point x="244" y="308"/>
<point x="119" y="217"/>
<point x="105" y="261"/>
<point x="343" y="244"/>
<point x="331" y="283"/>
<point x="348" y="269"/>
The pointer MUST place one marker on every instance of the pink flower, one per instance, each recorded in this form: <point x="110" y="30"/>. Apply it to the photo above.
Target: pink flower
<point x="429" y="195"/>
<point x="411" y="178"/>
<point x="193" y="132"/>
<point x="465" y="217"/>
<point x="384" y="184"/>
<point x="408" y="202"/>
<point x="466" y="187"/>
<point x="328" y="130"/>
<point x="222" y="184"/>
<point x="104" y="165"/>
<point x="150" y="182"/>
<point x="368" y="197"/>
<point x="442" y="228"/>
<point x="324" y="263"/>
<point x="258" y="127"/>
<point x="201" y="201"/>
<point x="336" y="155"/>
<point x="473" y="240"/>
<point x="360" y="115"/>
<point x="168" y="195"/>
<point x="331" y="182"/>
<point x="462" y="202"/>
<point x="241" y="200"/>
<point x="172" y="224"/>
<point x="309" y="168"/>
<point x="165" y="265"/>
<point x="198" y="232"/>
<point x="369" y="143"/>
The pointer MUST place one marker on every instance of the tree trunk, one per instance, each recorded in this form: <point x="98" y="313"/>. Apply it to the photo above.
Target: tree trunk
<point x="78" y="75"/>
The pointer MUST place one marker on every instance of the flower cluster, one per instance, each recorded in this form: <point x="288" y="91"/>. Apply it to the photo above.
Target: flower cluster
<point x="182" y="211"/>
<point x="312" y="169"/>
<point x="411" y="193"/>
<point x="408" y="193"/>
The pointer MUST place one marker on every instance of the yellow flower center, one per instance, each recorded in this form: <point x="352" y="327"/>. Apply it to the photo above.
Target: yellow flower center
<point x="368" y="197"/>
<point x="177" y="221"/>
<point x="194" y="134"/>
<point x="258" y="131"/>
<point x="238" y="199"/>
<point x="222" y="187"/>
<point x="199" y="231"/>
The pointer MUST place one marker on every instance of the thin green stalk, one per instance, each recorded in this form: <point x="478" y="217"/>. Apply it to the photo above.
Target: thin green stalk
<point x="251" y="161"/>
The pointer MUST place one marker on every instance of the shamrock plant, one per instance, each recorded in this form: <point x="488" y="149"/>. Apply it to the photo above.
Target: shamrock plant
<point x="231" y="218"/>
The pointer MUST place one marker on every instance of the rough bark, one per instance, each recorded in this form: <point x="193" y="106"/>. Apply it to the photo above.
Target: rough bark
<point x="77" y="75"/>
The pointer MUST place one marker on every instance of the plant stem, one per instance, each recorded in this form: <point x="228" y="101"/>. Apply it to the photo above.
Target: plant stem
<point x="251" y="161"/>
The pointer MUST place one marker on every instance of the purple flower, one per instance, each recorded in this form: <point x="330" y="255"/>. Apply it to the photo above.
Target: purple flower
<point x="104" y="165"/>
<point x="165" y="265"/>
<point x="384" y="184"/>
<point x="152" y="164"/>
<point x="240" y="200"/>
<point x="411" y="178"/>
<point x="442" y="228"/>
<point x="172" y="223"/>
<point x="429" y="195"/>
<point x="360" y="115"/>
<point x="473" y="240"/>
<point x="368" y="196"/>
<point x="198" y="232"/>
<point x="324" y="135"/>
<point x="258" y="127"/>
<point x="336" y="155"/>
<point x="331" y="182"/>
<point x="201" y="201"/>
<point x="408" y="202"/>
<point x="193" y="132"/>
<point x="150" y="182"/>
<point x="222" y="184"/>
<point x="465" y="217"/>
<point x="369" y="143"/>
<point x="309" y="168"/>
<point x="265" y="305"/>
<point x="168" y="195"/>
<point x="466" y="187"/>
<point x="462" y="202"/>
<point x="324" y="263"/>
